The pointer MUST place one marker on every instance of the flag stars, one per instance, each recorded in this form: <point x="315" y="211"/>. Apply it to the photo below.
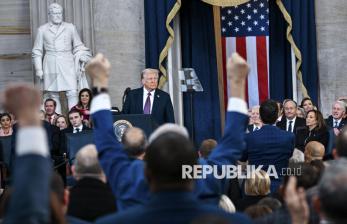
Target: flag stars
<point x="242" y="11"/>
<point x="255" y="23"/>
<point x="236" y="29"/>
<point x="262" y="28"/>
<point x="267" y="10"/>
<point x="249" y="29"/>
<point x="249" y="17"/>
<point x="267" y="22"/>
<point x="223" y="30"/>
<point x="223" y="17"/>
<point x="262" y="17"/>
<point x="243" y="23"/>
<point x="229" y="11"/>
<point x="230" y="23"/>
<point x="261" y="5"/>
<point x="249" y="5"/>
<point x="236" y="17"/>
<point x="255" y="11"/>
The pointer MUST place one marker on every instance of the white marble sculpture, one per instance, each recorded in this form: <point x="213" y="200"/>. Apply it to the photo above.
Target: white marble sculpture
<point x="59" y="57"/>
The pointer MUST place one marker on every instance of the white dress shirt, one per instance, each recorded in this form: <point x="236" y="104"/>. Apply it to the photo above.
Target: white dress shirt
<point x="79" y="128"/>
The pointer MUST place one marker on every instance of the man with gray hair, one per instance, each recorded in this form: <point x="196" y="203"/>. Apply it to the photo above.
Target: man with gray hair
<point x="59" y="57"/>
<point x="149" y="99"/>
<point x="91" y="197"/>
<point x="332" y="194"/>
<point x="337" y="118"/>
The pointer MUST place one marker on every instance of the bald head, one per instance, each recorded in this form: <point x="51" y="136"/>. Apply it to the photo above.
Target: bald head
<point x="314" y="151"/>
<point x="134" y="141"/>
<point x="86" y="163"/>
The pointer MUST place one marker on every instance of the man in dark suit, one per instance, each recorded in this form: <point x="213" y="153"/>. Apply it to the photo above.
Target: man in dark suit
<point x="50" y="107"/>
<point x="150" y="100"/>
<point x="290" y="122"/>
<point x="270" y="145"/>
<point x="131" y="190"/>
<point x="76" y="126"/>
<point x="337" y="118"/>
<point x="256" y="120"/>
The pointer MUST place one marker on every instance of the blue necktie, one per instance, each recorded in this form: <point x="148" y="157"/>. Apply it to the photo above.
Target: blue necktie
<point x="147" y="108"/>
<point x="290" y="126"/>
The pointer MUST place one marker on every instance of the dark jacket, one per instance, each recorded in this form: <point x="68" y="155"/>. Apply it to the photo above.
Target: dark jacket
<point x="330" y="122"/>
<point x="304" y="136"/>
<point x="162" y="110"/>
<point x="299" y="122"/>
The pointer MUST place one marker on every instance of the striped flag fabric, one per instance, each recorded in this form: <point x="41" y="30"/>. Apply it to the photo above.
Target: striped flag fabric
<point x="245" y="30"/>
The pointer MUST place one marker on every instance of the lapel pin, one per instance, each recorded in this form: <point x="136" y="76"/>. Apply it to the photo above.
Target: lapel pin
<point x="158" y="96"/>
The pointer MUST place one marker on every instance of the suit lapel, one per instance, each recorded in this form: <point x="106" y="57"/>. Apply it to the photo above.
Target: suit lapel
<point x="139" y="103"/>
<point x="61" y="29"/>
<point x="156" y="100"/>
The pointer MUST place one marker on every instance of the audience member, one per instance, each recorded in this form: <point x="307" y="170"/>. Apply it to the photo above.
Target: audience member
<point x="290" y="122"/>
<point x="307" y="104"/>
<point x="314" y="151"/>
<point x="256" y="124"/>
<point x="341" y="145"/>
<point x="270" y="145"/>
<point x="85" y="97"/>
<point x="42" y="115"/>
<point x="332" y="194"/>
<point x="50" y="107"/>
<point x="135" y="142"/>
<point x="280" y="112"/>
<point x="91" y="197"/>
<point x="29" y="201"/>
<point x="206" y="147"/>
<point x="272" y="203"/>
<point x="337" y="118"/>
<point x="172" y="195"/>
<point x="149" y="99"/>
<point x="297" y="157"/>
<point x="315" y="130"/>
<point x="257" y="211"/>
<point x="300" y="112"/>
<point x="61" y="122"/>
<point x="257" y="187"/>
<point x="6" y="124"/>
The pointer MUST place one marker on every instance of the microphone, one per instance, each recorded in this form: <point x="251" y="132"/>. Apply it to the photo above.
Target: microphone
<point x="125" y="94"/>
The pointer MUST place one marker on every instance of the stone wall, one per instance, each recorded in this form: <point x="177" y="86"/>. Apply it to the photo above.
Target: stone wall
<point x="331" y="18"/>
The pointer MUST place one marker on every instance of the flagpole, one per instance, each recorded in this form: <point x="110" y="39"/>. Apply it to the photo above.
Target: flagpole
<point x="219" y="56"/>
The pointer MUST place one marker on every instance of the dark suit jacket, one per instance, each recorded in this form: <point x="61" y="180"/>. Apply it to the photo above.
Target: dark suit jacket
<point x="330" y="122"/>
<point x="90" y="199"/>
<point x="304" y="136"/>
<point x="176" y="207"/>
<point x="270" y="146"/>
<point x="162" y="110"/>
<point x="63" y="146"/>
<point x="299" y="122"/>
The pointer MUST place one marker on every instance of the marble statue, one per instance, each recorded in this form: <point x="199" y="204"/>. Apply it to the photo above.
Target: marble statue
<point x="59" y="57"/>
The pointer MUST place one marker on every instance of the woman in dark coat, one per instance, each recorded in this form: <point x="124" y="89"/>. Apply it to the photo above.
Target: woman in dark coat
<point x="315" y="130"/>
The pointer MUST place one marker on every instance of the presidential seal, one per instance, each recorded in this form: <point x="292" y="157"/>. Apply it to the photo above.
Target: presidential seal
<point x="119" y="128"/>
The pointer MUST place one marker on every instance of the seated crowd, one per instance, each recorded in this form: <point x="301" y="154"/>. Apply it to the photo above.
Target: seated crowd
<point x="139" y="180"/>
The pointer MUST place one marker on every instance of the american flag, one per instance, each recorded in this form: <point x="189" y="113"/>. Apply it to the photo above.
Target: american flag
<point x="245" y="30"/>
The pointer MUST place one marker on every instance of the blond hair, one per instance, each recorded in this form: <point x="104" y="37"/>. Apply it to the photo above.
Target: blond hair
<point x="258" y="184"/>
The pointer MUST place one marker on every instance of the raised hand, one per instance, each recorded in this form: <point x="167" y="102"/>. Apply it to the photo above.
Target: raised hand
<point x="98" y="69"/>
<point x="237" y="74"/>
<point x="23" y="100"/>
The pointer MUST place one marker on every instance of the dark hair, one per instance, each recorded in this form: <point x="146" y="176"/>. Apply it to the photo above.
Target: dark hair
<point x="290" y="100"/>
<point x="56" y="119"/>
<point x="307" y="176"/>
<point x="272" y="203"/>
<point x="268" y="111"/>
<point x="50" y="99"/>
<point x="257" y="211"/>
<point x="206" y="147"/>
<point x="166" y="155"/>
<point x="341" y="143"/>
<point x="72" y="111"/>
<point x="319" y="118"/>
<point x="5" y="115"/>
<point x="79" y="104"/>
<point x="303" y="101"/>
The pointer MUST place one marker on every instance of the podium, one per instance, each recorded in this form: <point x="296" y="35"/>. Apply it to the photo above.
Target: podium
<point x="143" y="121"/>
<point x="75" y="141"/>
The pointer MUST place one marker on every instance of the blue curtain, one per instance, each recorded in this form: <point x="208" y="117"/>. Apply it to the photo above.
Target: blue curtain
<point x="302" y="14"/>
<point x="156" y="34"/>
<point x="199" y="52"/>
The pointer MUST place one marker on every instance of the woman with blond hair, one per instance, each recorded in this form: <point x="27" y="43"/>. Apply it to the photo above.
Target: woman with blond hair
<point x="256" y="187"/>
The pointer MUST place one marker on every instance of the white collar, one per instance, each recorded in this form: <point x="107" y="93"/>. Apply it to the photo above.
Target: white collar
<point x="79" y="127"/>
